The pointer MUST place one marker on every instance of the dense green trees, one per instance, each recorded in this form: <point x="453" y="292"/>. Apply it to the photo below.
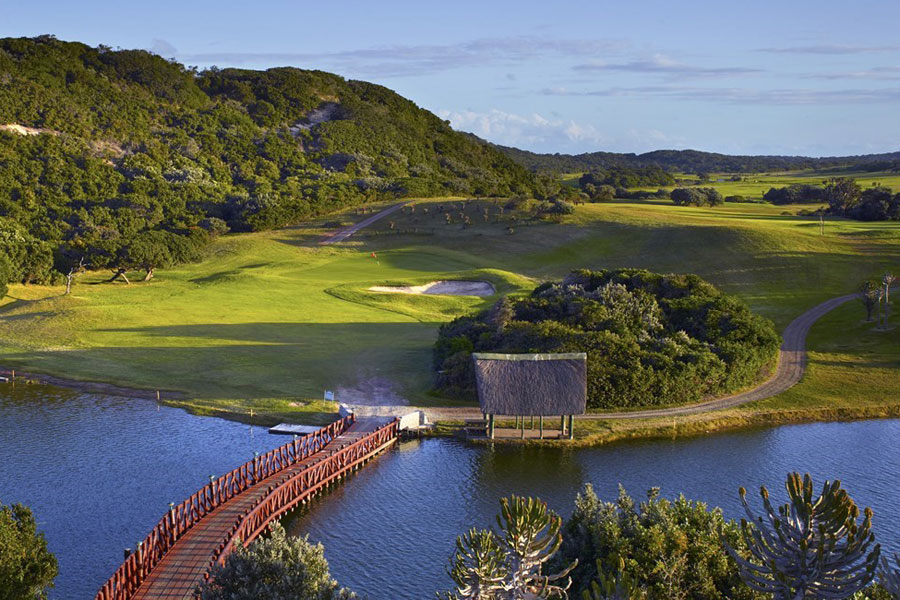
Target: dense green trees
<point x="138" y="153"/>
<point x="696" y="196"/>
<point x="671" y="549"/>
<point x="27" y="568"/>
<point x="275" y="568"/>
<point x="796" y="193"/>
<point x="627" y="177"/>
<point x="694" y="161"/>
<point x="651" y="339"/>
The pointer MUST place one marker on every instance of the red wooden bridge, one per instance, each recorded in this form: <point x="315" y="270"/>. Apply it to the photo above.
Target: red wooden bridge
<point x="200" y="532"/>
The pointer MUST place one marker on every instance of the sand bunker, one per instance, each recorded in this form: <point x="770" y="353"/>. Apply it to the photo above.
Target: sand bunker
<point x="441" y="288"/>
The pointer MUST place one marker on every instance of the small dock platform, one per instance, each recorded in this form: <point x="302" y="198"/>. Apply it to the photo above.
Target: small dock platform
<point x="292" y="429"/>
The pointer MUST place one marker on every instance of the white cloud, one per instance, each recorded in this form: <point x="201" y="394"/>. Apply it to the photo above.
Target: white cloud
<point x="664" y="65"/>
<point x="540" y="133"/>
<point x="400" y="60"/>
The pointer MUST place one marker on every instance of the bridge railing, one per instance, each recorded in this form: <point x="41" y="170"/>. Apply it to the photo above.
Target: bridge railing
<point x="302" y="485"/>
<point x="179" y="519"/>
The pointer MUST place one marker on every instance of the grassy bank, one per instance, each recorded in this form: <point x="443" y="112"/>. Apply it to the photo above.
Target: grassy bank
<point x="268" y="321"/>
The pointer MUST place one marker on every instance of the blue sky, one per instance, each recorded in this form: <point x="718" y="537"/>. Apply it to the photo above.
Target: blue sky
<point x="791" y="77"/>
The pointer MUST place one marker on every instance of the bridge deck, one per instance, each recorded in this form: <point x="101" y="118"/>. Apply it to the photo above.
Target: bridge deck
<point x="183" y="567"/>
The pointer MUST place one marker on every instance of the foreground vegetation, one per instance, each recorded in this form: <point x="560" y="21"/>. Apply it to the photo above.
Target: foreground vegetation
<point x="27" y="567"/>
<point x="817" y="545"/>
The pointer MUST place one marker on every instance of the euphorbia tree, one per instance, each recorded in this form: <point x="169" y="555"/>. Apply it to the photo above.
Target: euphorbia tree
<point x="811" y="547"/>
<point x="507" y="565"/>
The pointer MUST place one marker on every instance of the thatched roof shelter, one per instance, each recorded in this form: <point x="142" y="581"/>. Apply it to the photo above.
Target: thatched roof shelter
<point x="531" y="384"/>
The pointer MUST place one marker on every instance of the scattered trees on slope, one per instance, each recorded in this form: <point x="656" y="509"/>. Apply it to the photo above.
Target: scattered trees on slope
<point x="140" y="152"/>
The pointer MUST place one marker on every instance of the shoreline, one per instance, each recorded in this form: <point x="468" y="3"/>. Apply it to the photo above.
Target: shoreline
<point x="650" y="428"/>
<point x="90" y="387"/>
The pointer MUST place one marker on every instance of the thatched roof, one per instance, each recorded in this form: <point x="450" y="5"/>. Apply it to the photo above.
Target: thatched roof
<point x="531" y="384"/>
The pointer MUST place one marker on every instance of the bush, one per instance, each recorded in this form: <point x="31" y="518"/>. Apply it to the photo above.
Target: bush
<point x="696" y="196"/>
<point x="27" y="568"/>
<point x="672" y="548"/>
<point x="275" y="568"/>
<point x="651" y="339"/>
<point x="735" y="199"/>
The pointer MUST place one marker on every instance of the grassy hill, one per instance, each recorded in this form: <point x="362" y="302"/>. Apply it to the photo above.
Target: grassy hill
<point x="268" y="320"/>
<point x="121" y="157"/>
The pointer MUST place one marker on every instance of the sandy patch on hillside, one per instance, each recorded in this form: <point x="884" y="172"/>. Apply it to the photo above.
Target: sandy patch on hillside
<point x="23" y="130"/>
<point x="324" y="113"/>
<point x="440" y="288"/>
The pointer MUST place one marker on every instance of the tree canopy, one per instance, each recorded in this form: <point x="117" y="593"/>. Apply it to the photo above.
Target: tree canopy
<point x="650" y="339"/>
<point x="27" y="567"/>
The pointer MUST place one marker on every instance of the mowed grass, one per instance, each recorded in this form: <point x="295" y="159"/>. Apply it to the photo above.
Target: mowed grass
<point x="268" y="321"/>
<point x="753" y="186"/>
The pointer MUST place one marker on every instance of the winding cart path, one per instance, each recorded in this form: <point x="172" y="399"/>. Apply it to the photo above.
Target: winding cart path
<point x="789" y="371"/>
<point x="343" y="234"/>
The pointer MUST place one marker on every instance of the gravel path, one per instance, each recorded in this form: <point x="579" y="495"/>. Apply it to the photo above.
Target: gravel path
<point x="790" y="369"/>
<point x="343" y="234"/>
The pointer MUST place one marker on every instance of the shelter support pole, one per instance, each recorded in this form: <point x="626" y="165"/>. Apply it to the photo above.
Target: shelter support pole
<point x="571" y="427"/>
<point x="542" y="426"/>
<point x="562" y="427"/>
<point x="491" y="425"/>
<point x="523" y="426"/>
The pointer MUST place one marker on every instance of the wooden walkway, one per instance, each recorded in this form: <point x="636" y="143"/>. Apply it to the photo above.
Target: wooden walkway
<point x="177" y="556"/>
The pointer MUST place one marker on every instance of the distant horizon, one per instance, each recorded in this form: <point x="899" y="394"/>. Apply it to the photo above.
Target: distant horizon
<point x="814" y="79"/>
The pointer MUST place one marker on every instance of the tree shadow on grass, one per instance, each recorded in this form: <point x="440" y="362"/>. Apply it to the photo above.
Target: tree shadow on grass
<point x="252" y="360"/>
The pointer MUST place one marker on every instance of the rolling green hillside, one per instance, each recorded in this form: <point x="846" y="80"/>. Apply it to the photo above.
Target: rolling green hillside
<point x="121" y="157"/>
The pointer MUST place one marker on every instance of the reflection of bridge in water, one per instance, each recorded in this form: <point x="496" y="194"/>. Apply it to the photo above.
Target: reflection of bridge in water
<point x="179" y="552"/>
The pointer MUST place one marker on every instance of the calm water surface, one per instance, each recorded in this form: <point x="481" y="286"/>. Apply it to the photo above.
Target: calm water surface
<point x="99" y="473"/>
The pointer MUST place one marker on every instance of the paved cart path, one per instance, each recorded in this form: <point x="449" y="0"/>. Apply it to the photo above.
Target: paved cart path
<point x="343" y="234"/>
<point x="791" y="367"/>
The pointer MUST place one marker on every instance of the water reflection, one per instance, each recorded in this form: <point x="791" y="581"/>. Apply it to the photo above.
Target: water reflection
<point x="99" y="472"/>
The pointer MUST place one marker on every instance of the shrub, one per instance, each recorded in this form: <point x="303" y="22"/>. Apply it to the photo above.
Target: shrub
<point x="275" y="568"/>
<point x="696" y="196"/>
<point x="673" y="549"/>
<point x="651" y="339"/>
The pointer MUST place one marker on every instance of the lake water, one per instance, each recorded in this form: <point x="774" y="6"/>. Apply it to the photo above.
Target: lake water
<point x="99" y="472"/>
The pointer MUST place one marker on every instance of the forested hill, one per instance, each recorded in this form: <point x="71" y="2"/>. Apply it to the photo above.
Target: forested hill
<point x="125" y="158"/>
<point x="694" y="161"/>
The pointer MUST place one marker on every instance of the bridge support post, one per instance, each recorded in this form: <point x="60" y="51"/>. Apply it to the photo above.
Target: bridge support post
<point x="172" y="526"/>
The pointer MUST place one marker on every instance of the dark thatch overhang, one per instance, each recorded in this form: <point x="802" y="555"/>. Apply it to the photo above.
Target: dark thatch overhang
<point x="531" y="384"/>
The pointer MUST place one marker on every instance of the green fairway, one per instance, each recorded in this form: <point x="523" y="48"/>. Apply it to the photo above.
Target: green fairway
<point x="270" y="320"/>
<point x="752" y="186"/>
